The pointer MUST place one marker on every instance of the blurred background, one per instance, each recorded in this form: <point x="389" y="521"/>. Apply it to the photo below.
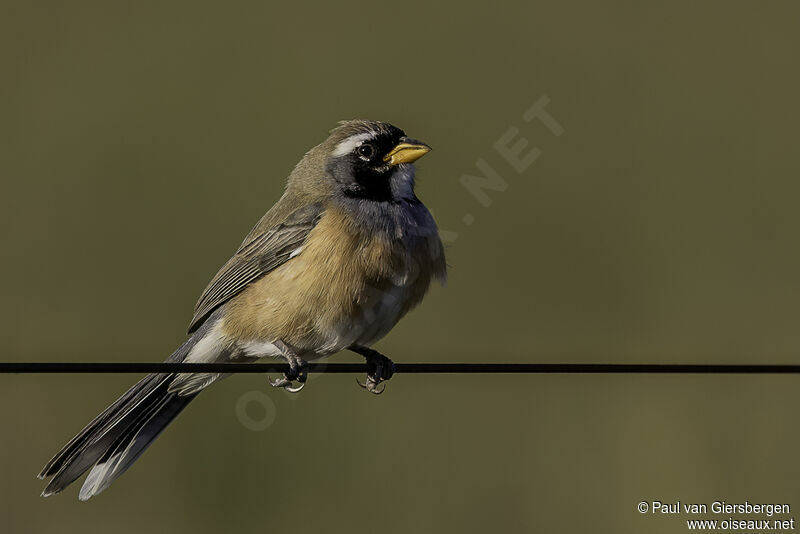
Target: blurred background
<point x="139" y="142"/>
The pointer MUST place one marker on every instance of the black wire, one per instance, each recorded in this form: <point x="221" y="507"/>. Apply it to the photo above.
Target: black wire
<point x="460" y="368"/>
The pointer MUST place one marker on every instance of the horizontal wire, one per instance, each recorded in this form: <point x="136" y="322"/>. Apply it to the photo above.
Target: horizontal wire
<point x="460" y="368"/>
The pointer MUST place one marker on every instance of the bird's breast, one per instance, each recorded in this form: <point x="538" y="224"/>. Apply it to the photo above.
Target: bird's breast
<point x="345" y="286"/>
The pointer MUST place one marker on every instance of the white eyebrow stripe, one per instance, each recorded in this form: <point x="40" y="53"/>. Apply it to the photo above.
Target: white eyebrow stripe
<point x="347" y="146"/>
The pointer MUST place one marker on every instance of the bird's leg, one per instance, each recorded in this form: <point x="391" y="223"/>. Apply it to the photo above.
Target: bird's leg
<point x="379" y="368"/>
<point x="298" y="370"/>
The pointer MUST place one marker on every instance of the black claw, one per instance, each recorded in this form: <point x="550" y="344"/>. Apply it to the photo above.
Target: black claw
<point x="286" y="384"/>
<point x="294" y="389"/>
<point x="379" y="369"/>
<point x="371" y="386"/>
<point x="298" y="371"/>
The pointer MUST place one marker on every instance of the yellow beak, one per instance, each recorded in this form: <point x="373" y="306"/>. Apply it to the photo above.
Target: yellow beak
<point x="407" y="151"/>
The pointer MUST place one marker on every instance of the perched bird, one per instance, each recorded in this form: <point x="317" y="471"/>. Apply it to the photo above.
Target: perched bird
<point x="346" y="252"/>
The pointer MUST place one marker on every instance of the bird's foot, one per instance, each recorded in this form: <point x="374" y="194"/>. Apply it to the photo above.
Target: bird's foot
<point x="379" y="369"/>
<point x="298" y="371"/>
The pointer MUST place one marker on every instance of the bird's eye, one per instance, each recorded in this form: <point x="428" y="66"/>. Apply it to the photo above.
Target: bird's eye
<point x="366" y="151"/>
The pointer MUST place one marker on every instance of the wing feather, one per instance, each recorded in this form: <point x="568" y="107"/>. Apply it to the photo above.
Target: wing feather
<point x="256" y="257"/>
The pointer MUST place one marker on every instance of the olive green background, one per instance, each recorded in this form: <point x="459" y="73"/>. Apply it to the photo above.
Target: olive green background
<point x="140" y="141"/>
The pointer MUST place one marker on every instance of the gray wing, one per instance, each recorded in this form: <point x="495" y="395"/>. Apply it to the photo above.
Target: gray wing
<point x="256" y="257"/>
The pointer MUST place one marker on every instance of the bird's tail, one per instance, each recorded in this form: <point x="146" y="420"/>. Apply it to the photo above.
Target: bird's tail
<point x="118" y="436"/>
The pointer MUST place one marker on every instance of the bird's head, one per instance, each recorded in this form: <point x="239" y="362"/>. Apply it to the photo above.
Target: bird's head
<point x="372" y="160"/>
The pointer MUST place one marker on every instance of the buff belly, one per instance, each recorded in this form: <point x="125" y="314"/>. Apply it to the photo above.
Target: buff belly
<point x="342" y="288"/>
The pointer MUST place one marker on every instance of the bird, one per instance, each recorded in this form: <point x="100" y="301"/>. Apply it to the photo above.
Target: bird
<point x="333" y="265"/>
